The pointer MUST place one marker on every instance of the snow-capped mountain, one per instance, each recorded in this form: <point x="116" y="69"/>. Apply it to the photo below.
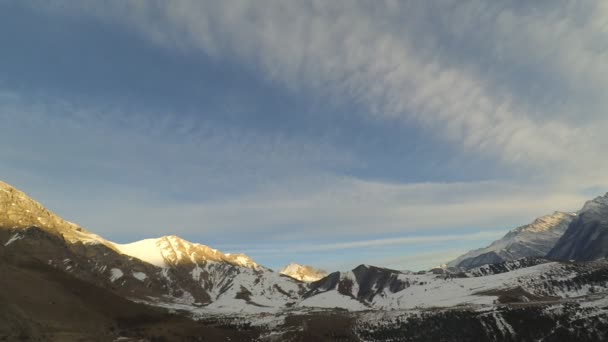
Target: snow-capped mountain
<point x="303" y="273"/>
<point x="171" y="250"/>
<point x="533" y="240"/>
<point x="587" y="236"/>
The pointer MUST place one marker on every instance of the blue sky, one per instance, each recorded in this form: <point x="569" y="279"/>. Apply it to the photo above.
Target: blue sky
<point x="327" y="133"/>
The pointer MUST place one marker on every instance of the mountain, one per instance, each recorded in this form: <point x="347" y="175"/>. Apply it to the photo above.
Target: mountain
<point x="19" y="211"/>
<point x="165" y="271"/>
<point x="171" y="250"/>
<point x="303" y="273"/>
<point x="587" y="236"/>
<point x="40" y="302"/>
<point x="533" y="240"/>
<point x="61" y="282"/>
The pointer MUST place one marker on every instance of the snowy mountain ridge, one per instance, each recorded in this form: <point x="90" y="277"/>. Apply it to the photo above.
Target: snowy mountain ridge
<point x="532" y="240"/>
<point x="172" y="250"/>
<point x="303" y="273"/>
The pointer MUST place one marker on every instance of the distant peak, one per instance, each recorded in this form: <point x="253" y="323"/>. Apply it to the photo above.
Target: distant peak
<point x="302" y="272"/>
<point x="173" y="250"/>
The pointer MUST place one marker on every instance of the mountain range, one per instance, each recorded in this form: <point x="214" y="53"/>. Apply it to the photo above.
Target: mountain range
<point x="229" y="295"/>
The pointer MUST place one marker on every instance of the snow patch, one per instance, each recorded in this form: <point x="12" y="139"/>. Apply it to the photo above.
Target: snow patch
<point x="116" y="274"/>
<point x="146" y="250"/>
<point x="141" y="276"/>
<point x="333" y="300"/>
<point x="13" y="239"/>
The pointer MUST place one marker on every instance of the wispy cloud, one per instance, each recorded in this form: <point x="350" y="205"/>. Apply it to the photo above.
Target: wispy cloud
<point x="377" y="243"/>
<point x="419" y="261"/>
<point x="367" y="53"/>
<point x="520" y="84"/>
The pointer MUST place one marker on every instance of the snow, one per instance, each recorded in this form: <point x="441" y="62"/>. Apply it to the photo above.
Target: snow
<point x="146" y="250"/>
<point x="504" y="327"/>
<point x="13" y="239"/>
<point x="303" y="273"/>
<point x="267" y="290"/>
<point x="433" y="291"/>
<point x="333" y="300"/>
<point x="242" y="260"/>
<point x="196" y="273"/>
<point x="171" y="250"/>
<point x="116" y="274"/>
<point x="140" y="276"/>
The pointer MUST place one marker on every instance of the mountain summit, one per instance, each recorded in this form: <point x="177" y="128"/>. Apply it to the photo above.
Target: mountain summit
<point x="172" y="250"/>
<point x="532" y="240"/>
<point x="19" y="211"/>
<point x="303" y="273"/>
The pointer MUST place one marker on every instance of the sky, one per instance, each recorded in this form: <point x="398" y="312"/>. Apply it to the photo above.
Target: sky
<point x="329" y="133"/>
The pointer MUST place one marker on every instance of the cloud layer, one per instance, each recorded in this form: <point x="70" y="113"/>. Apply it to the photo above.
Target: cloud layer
<point x="409" y="62"/>
<point x="520" y="85"/>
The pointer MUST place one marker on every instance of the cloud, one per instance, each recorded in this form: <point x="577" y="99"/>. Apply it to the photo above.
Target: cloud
<point x="329" y="207"/>
<point x="378" y="243"/>
<point x="145" y="175"/>
<point x="160" y="153"/>
<point x="521" y="84"/>
<point x="419" y="261"/>
<point x="385" y="57"/>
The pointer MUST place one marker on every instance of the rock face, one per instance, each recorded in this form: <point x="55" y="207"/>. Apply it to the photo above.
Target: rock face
<point x="303" y="273"/>
<point x="533" y="240"/>
<point x="587" y="236"/>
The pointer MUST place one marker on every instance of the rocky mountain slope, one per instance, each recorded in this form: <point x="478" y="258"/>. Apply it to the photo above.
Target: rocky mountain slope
<point x="303" y="273"/>
<point x="587" y="236"/>
<point x="533" y="240"/>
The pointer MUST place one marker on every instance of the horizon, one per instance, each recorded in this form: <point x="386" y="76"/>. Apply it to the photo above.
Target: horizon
<point x="398" y="135"/>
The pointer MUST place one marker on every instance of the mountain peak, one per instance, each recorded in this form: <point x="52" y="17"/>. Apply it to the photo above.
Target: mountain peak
<point x="546" y="223"/>
<point x="303" y="273"/>
<point x="597" y="204"/>
<point x="19" y="211"/>
<point x="173" y="250"/>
